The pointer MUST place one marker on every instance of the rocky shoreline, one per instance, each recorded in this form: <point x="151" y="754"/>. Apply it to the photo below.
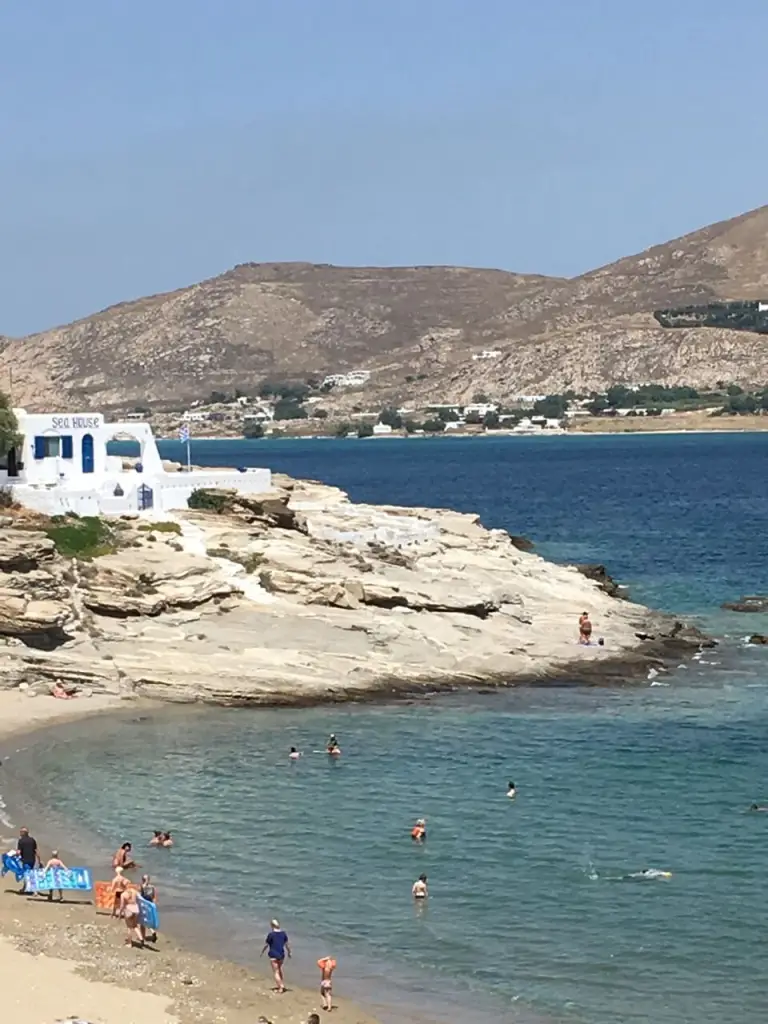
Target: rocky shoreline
<point x="301" y="596"/>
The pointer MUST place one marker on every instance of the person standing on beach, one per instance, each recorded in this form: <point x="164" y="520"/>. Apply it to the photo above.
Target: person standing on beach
<point x="129" y="908"/>
<point x="276" y="946"/>
<point x="55" y="862"/>
<point x="327" y="966"/>
<point x="147" y="892"/>
<point x="119" y="885"/>
<point x="26" y="849"/>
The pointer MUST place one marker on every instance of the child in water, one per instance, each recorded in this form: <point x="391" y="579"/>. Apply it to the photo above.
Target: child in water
<point x="419" y="831"/>
<point x="327" y="966"/>
<point x="511" y="791"/>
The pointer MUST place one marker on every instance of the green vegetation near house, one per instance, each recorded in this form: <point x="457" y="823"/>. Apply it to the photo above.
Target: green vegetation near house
<point x="733" y="316"/>
<point x="85" y="538"/>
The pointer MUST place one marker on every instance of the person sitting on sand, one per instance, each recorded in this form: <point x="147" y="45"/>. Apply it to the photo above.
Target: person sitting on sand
<point x="511" y="791"/>
<point x="54" y="861"/>
<point x="419" y="888"/>
<point x="313" y="1018"/>
<point x="123" y="858"/>
<point x="585" y="628"/>
<point x="327" y="966"/>
<point x="419" y="831"/>
<point x="58" y="691"/>
<point x="129" y="908"/>
<point x="119" y="885"/>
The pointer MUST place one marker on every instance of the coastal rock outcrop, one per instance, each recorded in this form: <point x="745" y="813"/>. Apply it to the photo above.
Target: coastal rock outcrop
<point x="302" y="595"/>
<point x="756" y="603"/>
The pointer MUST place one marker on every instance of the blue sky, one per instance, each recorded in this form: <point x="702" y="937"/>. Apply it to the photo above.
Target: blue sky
<point x="147" y="145"/>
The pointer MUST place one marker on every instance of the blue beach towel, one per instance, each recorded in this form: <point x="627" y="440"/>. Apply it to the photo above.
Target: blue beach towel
<point x="148" y="915"/>
<point x="78" y="879"/>
<point x="12" y="862"/>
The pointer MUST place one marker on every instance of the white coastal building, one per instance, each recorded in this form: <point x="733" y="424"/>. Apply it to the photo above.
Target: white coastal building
<point x="62" y="465"/>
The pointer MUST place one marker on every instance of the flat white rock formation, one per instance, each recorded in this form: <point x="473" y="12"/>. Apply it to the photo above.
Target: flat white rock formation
<point x="301" y="595"/>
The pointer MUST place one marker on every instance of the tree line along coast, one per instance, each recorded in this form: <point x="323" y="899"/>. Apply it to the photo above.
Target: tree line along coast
<point x="312" y="407"/>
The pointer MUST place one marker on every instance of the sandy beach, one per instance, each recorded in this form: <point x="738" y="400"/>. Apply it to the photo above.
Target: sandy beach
<point x="62" y="960"/>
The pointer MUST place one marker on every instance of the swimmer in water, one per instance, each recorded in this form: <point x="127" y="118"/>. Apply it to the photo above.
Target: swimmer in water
<point x="511" y="791"/>
<point x="166" y="840"/>
<point x="294" y="754"/>
<point x="333" y="748"/>
<point x="157" y="838"/>
<point x="419" y="888"/>
<point x="652" y="874"/>
<point x="419" y="831"/>
<point x="758" y="807"/>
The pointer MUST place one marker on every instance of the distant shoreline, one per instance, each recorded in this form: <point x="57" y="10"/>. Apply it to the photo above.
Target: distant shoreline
<point x="484" y="435"/>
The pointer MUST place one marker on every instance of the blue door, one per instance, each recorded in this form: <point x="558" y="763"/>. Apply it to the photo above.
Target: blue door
<point x="87" y="453"/>
<point x="146" y="498"/>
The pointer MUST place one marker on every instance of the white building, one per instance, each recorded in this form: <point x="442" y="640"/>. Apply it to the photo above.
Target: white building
<point x="355" y="378"/>
<point x="487" y="353"/>
<point x="480" y="409"/>
<point x="380" y="429"/>
<point x="195" y="417"/>
<point x="62" y="466"/>
<point x="260" y="415"/>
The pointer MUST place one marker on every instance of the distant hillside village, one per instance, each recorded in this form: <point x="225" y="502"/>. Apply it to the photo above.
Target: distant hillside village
<point x="335" y="405"/>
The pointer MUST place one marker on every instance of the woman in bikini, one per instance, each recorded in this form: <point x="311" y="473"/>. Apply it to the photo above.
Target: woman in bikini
<point x="129" y="908"/>
<point x="585" y="628"/>
<point x="119" y="885"/>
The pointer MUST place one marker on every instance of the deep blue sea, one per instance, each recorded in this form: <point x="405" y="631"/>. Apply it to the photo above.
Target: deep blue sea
<point x="531" y="916"/>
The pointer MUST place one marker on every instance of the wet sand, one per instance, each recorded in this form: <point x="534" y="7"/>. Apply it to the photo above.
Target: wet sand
<point x="59" y="960"/>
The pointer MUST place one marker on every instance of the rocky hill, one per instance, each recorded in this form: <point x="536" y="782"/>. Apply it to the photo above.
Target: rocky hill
<point x="424" y="323"/>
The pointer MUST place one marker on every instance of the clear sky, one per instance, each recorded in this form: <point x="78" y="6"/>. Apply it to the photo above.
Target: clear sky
<point x="148" y="144"/>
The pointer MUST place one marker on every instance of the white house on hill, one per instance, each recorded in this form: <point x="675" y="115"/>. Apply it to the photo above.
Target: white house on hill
<point x="62" y="465"/>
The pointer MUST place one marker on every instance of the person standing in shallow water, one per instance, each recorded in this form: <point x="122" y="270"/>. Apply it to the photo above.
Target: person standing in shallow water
<point x="585" y="628"/>
<point x="276" y="946"/>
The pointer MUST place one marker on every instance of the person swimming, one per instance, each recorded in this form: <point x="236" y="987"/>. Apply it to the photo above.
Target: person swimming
<point x="157" y="838"/>
<point x="294" y="754"/>
<point x="166" y="840"/>
<point x="511" y="791"/>
<point x="758" y="807"/>
<point x="419" y="888"/>
<point x="333" y="748"/>
<point x="419" y="831"/>
<point x="651" y="874"/>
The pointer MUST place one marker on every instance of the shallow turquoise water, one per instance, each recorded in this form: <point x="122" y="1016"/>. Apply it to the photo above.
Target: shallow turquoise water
<point x="528" y="910"/>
